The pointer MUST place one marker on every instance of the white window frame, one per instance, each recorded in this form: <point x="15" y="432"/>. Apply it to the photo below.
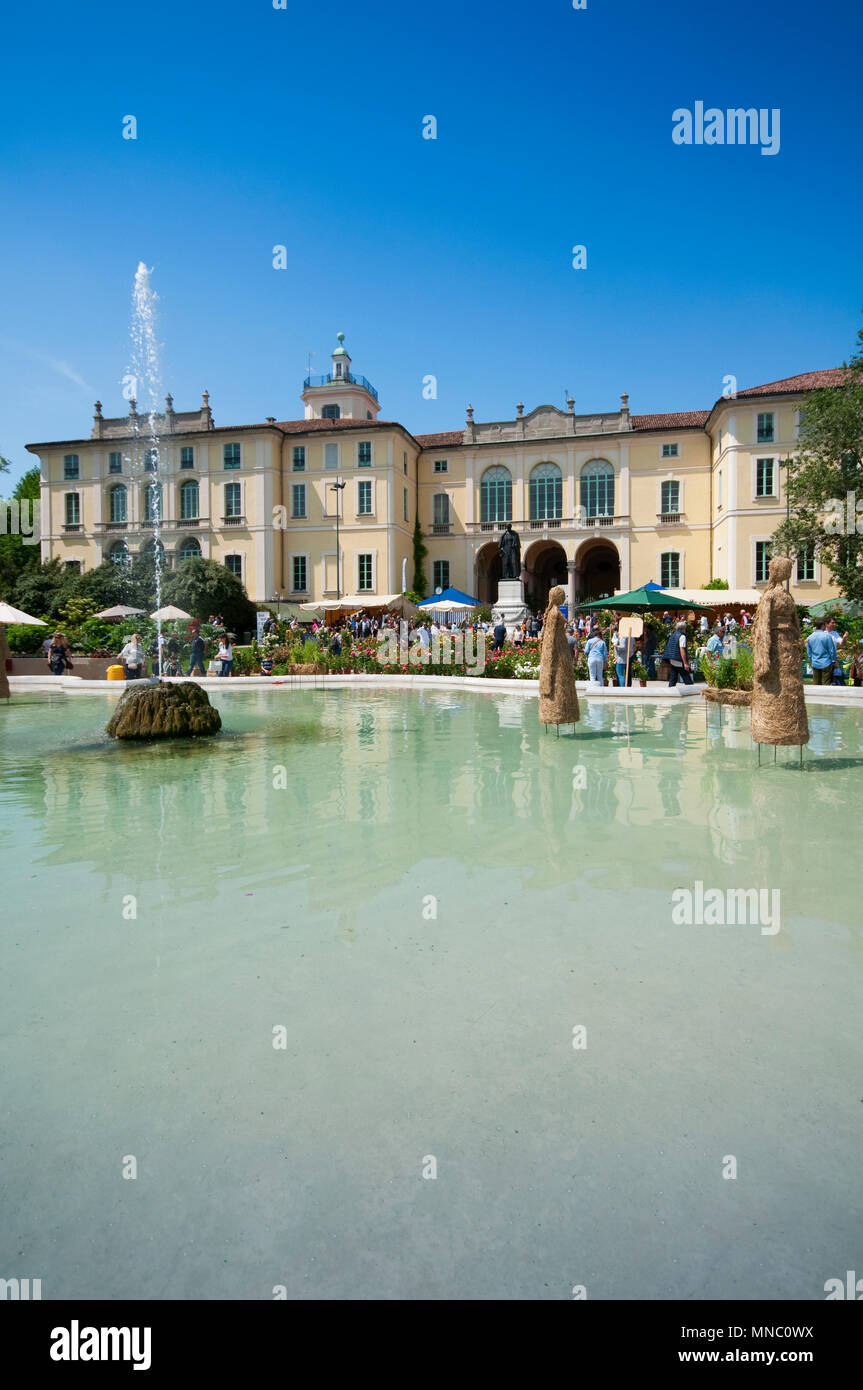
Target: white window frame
<point x="329" y="467"/>
<point x="815" y="581"/>
<point x="72" y="492"/>
<point x="753" y="556"/>
<point x="361" y="516"/>
<point x="231" y="483"/>
<point x="671" y="550"/>
<point x="235" y="555"/>
<point x="670" y="478"/>
<point x="299" y="468"/>
<point x="443" y="561"/>
<point x="669" y="444"/>
<point x="439" y="472"/>
<point x="371" y="462"/>
<point x="767" y="496"/>
<point x="338" y="557"/>
<point x="773" y="414"/>
<point x="374" y="559"/>
<point x="300" y="555"/>
<point x="442" y="492"/>
<point x="303" y="515"/>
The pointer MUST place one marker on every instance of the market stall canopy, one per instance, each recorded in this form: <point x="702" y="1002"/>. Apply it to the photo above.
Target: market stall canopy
<point x="120" y="611"/>
<point x="8" y="614"/>
<point x="396" y="603"/>
<point x="448" y="599"/>
<point x="637" y="599"/>
<point x="171" y="614"/>
<point x="446" y="606"/>
<point x="718" y="598"/>
<point x="848" y="607"/>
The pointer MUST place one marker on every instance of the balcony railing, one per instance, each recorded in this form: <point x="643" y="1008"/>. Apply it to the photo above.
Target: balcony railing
<point x="551" y="523"/>
<point x="441" y="528"/>
<point x="233" y="521"/>
<point x="72" y="526"/>
<point x="670" y="518"/>
<point x="330" y="380"/>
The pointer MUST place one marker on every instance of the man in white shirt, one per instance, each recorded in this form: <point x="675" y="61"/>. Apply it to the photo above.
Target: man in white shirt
<point x="132" y="657"/>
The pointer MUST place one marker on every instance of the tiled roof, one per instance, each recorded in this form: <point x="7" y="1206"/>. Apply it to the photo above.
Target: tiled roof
<point x="440" y="441"/>
<point x="679" y="420"/>
<point x="808" y="381"/>
<point x="305" y="426"/>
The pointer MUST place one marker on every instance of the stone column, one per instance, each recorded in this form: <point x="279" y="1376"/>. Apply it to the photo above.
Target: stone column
<point x="571" y="572"/>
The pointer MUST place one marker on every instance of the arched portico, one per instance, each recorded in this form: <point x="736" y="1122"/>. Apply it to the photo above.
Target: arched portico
<point x="487" y="569"/>
<point x="597" y="569"/>
<point x="545" y="565"/>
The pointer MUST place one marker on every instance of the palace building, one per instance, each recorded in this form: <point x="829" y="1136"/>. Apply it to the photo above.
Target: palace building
<point x="602" y="502"/>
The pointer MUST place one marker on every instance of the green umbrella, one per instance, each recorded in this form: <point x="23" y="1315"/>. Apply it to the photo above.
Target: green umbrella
<point x="638" y="599"/>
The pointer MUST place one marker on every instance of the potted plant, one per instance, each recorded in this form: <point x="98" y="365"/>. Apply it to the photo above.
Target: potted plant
<point x="639" y="672"/>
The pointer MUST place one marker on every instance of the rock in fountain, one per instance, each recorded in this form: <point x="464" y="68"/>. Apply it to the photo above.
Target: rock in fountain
<point x="165" y="711"/>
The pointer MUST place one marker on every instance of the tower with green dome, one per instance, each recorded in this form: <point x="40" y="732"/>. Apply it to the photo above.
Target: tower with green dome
<point x="341" y="394"/>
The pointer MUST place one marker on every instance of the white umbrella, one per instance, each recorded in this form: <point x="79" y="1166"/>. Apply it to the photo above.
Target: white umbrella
<point x="8" y="614"/>
<point x="170" y="614"/>
<point x="120" y="611"/>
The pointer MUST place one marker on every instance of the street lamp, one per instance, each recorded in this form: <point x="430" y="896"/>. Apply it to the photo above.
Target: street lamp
<point x="337" y="487"/>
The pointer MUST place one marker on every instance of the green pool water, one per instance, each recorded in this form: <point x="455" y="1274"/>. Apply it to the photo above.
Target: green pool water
<point x="422" y="895"/>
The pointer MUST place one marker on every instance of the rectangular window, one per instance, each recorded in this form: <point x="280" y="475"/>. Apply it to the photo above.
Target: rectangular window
<point x="71" y="468"/>
<point x="299" y="579"/>
<point x="151" y="460"/>
<point x="72" y="566"/>
<point x="364" y="574"/>
<point x="364" y="498"/>
<point x="331" y="456"/>
<point x="405" y="493"/>
<point x="670" y="451"/>
<point x="806" y="565"/>
<point x="440" y="516"/>
<point x="670" y="497"/>
<point x="441" y="465"/>
<point x="364" y="454"/>
<point x="440" y="574"/>
<point x="765" y="428"/>
<point x="298" y="499"/>
<point x="232" y="455"/>
<point x="233" y="500"/>
<point x="115" y="462"/>
<point x="765" y="478"/>
<point x="187" y="456"/>
<point x="762" y="560"/>
<point x="801" y="423"/>
<point x="300" y="458"/>
<point x="73" y="509"/>
<point x="669" y="570"/>
<point x="234" y="563"/>
<point x="405" y="459"/>
<point x="153" y="502"/>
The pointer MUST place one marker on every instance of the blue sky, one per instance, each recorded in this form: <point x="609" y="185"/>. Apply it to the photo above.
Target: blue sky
<point x="303" y="127"/>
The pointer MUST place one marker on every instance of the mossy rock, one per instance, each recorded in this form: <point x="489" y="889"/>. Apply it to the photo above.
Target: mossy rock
<point x="164" y="711"/>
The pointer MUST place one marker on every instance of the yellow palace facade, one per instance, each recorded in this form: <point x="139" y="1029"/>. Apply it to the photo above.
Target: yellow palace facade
<point x="602" y="502"/>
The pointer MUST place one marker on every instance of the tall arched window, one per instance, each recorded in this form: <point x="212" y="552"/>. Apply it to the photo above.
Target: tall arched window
<point x="597" y="488"/>
<point x="546" y="492"/>
<point x="152" y="547"/>
<point x="495" y="492"/>
<point x="119" y="554"/>
<point x="190" y="549"/>
<point x="117" y="503"/>
<point x="330" y="412"/>
<point x="189" y="500"/>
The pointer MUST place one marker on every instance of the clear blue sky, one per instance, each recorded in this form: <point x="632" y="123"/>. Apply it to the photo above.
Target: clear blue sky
<point x="302" y="127"/>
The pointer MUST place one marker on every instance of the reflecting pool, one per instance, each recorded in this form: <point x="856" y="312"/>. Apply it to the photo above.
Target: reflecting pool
<point x="385" y="995"/>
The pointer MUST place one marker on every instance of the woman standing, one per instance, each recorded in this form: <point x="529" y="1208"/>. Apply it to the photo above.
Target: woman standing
<point x="59" y="660"/>
<point x="132" y="657"/>
<point x="226" y="654"/>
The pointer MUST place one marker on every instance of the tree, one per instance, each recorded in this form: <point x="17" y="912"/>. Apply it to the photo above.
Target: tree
<point x="420" y="584"/>
<point x="716" y="584"/>
<point x="203" y="587"/>
<point x="43" y="591"/>
<point x="16" y="557"/>
<point x="824" y="480"/>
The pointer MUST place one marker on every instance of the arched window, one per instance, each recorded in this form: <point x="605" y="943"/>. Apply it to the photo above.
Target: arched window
<point x="597" y="488"/>
<point x="546" y="492"/>
<point x="331" y="412"/>
<point x="153" y="502"/>
<point x="190" y="549"/>
<point x="119" y="554"/>
<point x="117" y="503"/>
<point x="189" y="500"/>
<point x="495" y="493"/>
<point x="152" y="546"/>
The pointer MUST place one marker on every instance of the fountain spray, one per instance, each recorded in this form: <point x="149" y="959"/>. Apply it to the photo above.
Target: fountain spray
<point x="146" y="379"/>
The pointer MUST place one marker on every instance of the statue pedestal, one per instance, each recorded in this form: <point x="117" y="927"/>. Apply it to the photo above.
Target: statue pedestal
<point x="510" y="607"/>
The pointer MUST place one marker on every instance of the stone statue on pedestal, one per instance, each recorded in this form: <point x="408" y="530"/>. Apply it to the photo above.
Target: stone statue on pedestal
<point x="778" y="705"/>
<point x="510" y="554"/>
